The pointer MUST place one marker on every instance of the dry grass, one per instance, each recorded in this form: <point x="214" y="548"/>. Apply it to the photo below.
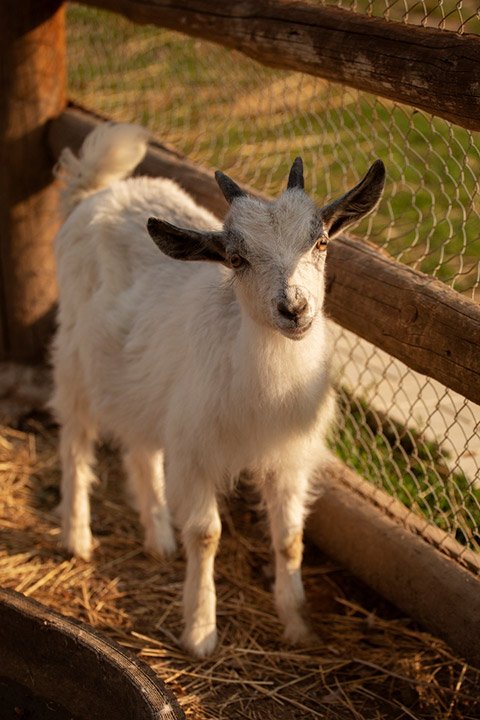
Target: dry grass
<point x="368" y="663"/>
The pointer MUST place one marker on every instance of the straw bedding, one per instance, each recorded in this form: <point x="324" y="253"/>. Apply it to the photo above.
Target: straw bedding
<point x="368" y="662"/>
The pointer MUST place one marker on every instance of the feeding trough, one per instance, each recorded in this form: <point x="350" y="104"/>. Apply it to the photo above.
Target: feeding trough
<point x="56" y="668"/>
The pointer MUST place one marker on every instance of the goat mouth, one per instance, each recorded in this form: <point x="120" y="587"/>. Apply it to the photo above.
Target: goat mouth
<point x="296" y="332"/>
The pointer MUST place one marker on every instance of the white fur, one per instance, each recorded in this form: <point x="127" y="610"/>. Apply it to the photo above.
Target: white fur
<point x="190" y="359"/>
<point x="107" y="154"/>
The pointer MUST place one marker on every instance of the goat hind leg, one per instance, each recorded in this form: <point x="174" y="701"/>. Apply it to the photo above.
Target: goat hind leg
<point x="76" y="454"/>
<point x="147" y="485"/>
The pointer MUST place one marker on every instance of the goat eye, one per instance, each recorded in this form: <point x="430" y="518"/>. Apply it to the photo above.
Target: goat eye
<point x="236" y="261"/>
<point x="321" y="243"/>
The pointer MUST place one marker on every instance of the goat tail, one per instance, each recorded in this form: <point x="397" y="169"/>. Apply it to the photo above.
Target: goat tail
<point x="109" y="153"/>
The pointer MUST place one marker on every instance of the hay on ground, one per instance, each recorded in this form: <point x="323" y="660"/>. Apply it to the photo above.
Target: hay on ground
<point x="368" y="662"/>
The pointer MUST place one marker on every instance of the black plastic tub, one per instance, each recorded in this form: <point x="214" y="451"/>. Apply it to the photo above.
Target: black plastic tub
<point x="53" y="667"/>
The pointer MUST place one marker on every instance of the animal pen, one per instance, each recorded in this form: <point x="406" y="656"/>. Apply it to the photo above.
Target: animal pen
<point x="245" y="87"/>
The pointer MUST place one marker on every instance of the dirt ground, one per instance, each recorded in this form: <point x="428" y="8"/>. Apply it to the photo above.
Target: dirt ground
<point x="368" y="662"/>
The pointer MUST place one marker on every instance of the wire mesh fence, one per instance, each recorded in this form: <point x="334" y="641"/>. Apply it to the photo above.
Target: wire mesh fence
<point x="402" y="431"/>
<point x="455" y="15"/>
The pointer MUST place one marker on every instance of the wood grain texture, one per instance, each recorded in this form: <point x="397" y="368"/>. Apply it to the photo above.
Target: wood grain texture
<point x="396" y="553"/>
<point x="63" y="660"/>
<point x="415" y="318"/>
<point x="437" y="71"/>
<point x="32" y="90"/>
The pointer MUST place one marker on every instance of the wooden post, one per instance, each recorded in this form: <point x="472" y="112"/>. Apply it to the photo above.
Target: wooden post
<point x="32" y="91"/>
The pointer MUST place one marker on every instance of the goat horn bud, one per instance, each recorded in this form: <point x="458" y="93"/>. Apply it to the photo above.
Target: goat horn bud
<point x="229" y="188"/>
<point x="295" y="178"/>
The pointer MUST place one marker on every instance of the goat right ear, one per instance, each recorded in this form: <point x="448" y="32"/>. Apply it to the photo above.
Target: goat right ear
<point x="185" y="244"/>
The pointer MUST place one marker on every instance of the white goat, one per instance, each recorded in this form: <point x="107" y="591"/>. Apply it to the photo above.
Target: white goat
<point x="223" y="365"/>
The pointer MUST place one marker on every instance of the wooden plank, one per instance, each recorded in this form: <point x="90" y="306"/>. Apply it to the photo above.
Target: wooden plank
<point x="437" y="71"/>
<point x="412" y="316"/>
<point x="371" y="534"/>
<point x="32" y="90"/>
<point x="417" y="319"/>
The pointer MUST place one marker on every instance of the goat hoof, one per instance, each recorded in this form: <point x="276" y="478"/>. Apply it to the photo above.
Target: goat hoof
<point x="161" y="544"/>
<point x="78" y="543"/>
<point x="200" y="642"/>
<point x="297" y="632"/>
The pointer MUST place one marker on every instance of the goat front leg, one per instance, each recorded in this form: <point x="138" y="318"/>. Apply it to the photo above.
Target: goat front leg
<point x="195" y="510"/>
<point x="285" y="499"/>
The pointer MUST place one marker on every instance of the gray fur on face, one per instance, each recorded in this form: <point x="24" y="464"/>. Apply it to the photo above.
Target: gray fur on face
<point x="276" y="244"/>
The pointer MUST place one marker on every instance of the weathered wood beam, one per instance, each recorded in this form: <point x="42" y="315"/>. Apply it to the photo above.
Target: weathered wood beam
<point x="397" y="554"/>
<point x="416" y="318"/>
<point x="437" y="71"/>
<point x="32" y="90"/>
<point x="412" y="316"/>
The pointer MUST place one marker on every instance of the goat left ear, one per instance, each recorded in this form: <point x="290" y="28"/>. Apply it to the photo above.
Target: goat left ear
<point x="185" y="244"/>
<point x="356" y="203"/>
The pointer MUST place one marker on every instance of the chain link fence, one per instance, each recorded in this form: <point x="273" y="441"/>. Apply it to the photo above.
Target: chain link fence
<point x="400" y="430"/>
<point x="455" y="15"/>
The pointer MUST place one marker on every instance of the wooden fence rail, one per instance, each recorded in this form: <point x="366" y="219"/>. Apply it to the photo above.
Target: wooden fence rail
<point x="396" y="553"/>
<point x="436" y="71"/>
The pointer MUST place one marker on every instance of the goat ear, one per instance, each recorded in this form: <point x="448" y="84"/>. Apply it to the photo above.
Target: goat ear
<point x="229" y="188"/>
<point x="295" y="178"/>
<point x="184" y="244"/>
<point x="356" y="203"/>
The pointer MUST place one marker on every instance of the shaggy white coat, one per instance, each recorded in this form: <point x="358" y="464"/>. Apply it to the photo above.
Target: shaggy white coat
<point x="193" y="366"/>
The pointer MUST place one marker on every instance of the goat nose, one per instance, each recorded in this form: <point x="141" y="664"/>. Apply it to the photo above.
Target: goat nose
<point x="292" y="310"/>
